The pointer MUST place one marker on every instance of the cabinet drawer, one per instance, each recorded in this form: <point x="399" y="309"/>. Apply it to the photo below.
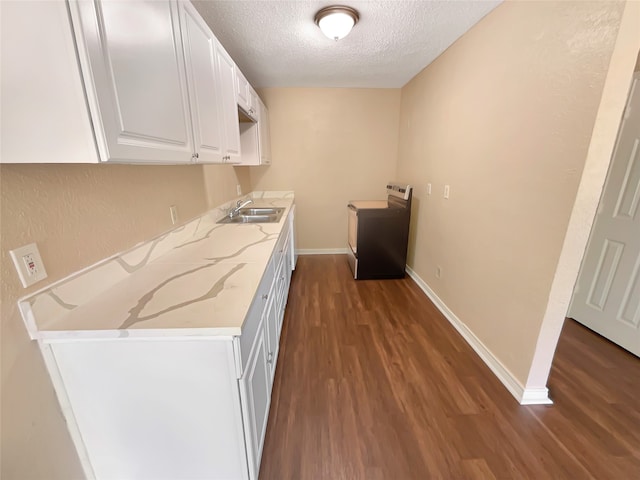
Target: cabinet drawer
<point x="280" y="282"/>
<point x="281" y="244"/>
<point x="252" y="320"/>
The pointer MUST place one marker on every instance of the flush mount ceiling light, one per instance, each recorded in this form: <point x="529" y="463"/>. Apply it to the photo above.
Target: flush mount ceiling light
<point x="336" y="21"/>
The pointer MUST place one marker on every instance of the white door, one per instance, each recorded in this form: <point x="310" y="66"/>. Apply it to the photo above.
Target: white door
<point x="607" y="294"/>
<point x="204" y="90"/>
<point x="133" y="67"/>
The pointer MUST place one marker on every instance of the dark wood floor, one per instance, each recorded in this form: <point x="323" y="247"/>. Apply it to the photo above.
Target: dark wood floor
<point x="373" y="383"/>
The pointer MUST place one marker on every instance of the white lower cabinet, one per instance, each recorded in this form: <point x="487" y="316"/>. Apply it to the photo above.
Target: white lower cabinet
<point x="258" y="375"/>
<point x="255" y="388"/>
<point x="273" y="335"/>
<point x="175" y="407"/>
<point x="152" y="408"/>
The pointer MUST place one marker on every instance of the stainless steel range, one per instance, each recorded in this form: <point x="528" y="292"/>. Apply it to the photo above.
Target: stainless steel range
<point x="379" y="233"/>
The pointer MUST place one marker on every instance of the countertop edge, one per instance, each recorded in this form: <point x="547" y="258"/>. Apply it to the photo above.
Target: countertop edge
<point x="37" y="327"/>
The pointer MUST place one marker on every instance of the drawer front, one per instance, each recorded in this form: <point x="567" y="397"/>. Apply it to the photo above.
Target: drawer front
<point x="280" y="246"/>
<point x="280" y="282"/>
<point x="252" y="321"/>
<point x="269" y="285"/>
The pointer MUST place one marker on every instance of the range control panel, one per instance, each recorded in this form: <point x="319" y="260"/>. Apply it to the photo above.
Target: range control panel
<point x="400" y="190"/>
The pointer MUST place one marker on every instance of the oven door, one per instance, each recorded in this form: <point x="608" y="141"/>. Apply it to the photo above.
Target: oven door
<point x="352" y="251"/>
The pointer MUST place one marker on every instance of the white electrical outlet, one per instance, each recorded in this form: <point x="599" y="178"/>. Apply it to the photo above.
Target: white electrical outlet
<point x="173" y="210"/>
<point x="446" y="191"/>
<point x="428" y="189"/>
<point x="29" y="264"/>
<point x="239" y="189"/>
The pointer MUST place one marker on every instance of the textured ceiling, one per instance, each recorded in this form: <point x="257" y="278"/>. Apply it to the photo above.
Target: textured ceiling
<point x="276" y="43"/>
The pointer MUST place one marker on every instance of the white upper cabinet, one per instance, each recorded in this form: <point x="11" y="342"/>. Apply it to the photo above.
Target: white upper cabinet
<point x="134" y="71"/>
<point x="44" y="111"/>
<point x="256" y="138"/>
<point x="205" y="94"/>
<point x="242" y="91"/>
<point x="247" y="97"/>
<point x="227" y="78"/>
<point x="254" y="104"/>
<point x="142" y="81"/>
<point x="264" y="137"/>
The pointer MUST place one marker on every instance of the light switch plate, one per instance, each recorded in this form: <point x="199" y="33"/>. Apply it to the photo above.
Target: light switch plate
<point x="29" y="264"/>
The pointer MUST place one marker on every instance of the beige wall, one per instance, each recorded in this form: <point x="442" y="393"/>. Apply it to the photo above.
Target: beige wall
<point x="77" y="214"/>
<point x="504" y="117"/>
<point x="330" y="145"/>
<point x="220" y="183"/>
<point x="603" y="138"/>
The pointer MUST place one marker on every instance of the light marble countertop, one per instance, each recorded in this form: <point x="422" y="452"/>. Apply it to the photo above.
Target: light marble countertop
<point x="197" y="279"/>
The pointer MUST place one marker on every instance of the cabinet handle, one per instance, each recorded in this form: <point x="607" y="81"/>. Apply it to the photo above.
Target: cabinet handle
<point x="270" y="358"/>
<point x="265" y="296"/>
<point x="282" y="277"/>
<point x="195" y="156"/>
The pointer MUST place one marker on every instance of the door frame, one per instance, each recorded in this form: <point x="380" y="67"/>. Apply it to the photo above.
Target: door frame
<point x="597" y="245"/>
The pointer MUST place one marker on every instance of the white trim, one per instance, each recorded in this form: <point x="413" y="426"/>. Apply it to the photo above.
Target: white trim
<point x="321" y="251"/>
<point x="536" y="396"/>
<point x="524" y="396"/>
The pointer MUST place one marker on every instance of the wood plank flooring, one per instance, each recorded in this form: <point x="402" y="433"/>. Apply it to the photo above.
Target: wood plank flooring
<point x="374" y="383"/>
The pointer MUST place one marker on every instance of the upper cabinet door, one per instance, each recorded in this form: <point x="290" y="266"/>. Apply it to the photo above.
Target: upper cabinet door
<point x="204" y="93"/>
<point x="133" y="67"/>
<point x="242" y="91"/>
<point x="254" y="107"/>
<point x="264" y="138"/>
<point x="40" y="84"/>
<point x="227" y="74"/>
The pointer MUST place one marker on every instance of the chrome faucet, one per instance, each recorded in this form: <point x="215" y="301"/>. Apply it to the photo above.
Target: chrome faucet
<point x="240" y="204"/>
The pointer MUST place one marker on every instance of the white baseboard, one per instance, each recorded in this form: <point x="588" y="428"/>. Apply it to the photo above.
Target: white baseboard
<point x="321" y="251"/>
<point x="536" y="396"/>
<point x="531" y="396"/>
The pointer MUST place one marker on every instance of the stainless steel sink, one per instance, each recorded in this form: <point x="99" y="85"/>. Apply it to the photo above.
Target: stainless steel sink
<point x="255" y="215"/>
<point x="261" y="211"/>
